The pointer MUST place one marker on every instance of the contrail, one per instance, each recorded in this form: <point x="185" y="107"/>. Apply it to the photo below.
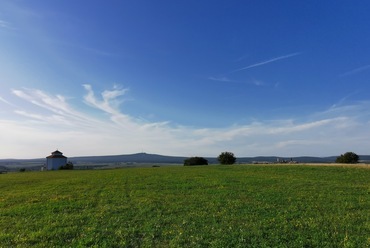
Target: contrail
<point x="355" y="71"/>
<point x="5" y="101"/>
<point x="268" y="61"/>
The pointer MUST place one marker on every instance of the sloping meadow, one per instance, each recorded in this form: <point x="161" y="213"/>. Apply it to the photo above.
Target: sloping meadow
<point x="205" y="206"/>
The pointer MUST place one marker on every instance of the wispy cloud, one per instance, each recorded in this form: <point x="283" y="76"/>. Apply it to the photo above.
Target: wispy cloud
<point x="257" y="82"/>
<point x="355" y="71"/>
<point x="5" y="25"/>
<point x="99" y="52"/>
<point x="224" y="79"/>
<point x="305" y="126"/>
<point x="268" y="61"/>
<point x="56" y="106"/>
<point x="344" y="99"/>
<point x="221" y="79"/>
<point x="359" y="110"/>
<point x="6" y="102"/>
<point x="48" y="121"/>
<point x="240" y="58"/>
<point x="108" y="102"/>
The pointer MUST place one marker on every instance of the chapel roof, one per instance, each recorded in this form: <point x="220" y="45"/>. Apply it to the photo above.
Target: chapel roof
<point x="56" y="154"/>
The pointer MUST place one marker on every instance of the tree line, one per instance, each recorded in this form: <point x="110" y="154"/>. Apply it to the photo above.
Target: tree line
<point x="229" y="158"/>
<point x="223" y="158"/>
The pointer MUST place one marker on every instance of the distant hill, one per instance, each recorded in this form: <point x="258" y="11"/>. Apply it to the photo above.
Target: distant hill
<point x="130" y="158"/>
<point x="155" y="158"/>
<point x="145" y="158"/>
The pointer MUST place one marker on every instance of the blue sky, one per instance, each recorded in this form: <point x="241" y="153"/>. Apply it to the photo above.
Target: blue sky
<point x="191" y="78"/>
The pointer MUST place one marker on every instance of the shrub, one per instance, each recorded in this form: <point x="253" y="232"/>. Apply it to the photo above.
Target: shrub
<point x="67" y="166"/>
<point x="347" y="158"/>
<point x="226" y="158"/>
<point x="195" y="161"/>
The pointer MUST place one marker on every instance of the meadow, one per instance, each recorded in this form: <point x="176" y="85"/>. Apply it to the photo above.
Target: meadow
<point x="205" y="206"/>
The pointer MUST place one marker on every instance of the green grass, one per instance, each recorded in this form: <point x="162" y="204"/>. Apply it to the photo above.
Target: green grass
<point x="209" y="206"/>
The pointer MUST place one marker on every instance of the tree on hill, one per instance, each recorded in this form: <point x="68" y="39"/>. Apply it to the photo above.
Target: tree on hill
<point x="347" y="158"/>
<point x="195" y="161"/>
<point x="226" y="158"/>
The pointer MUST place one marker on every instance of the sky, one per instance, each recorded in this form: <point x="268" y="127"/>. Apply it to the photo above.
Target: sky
<point x="185" y="78"/>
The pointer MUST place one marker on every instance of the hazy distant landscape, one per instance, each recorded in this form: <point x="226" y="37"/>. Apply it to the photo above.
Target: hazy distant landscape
<point x="148" y="160"/>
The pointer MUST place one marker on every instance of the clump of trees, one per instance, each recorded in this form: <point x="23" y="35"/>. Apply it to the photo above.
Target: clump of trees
<point x="226" y="158"/>
<point x="195" y="161"/>
<point x="347" y="158"/>
<point x="67" y="166"/>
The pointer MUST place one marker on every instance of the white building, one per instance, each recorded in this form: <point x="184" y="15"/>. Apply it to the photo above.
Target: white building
<point x="55" y="160"/>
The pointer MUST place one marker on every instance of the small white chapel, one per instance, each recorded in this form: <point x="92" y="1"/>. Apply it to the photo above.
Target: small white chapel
<point x="55" y="160"/>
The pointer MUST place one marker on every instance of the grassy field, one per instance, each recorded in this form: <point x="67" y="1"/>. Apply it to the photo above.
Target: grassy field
<point x="209" y="206"/>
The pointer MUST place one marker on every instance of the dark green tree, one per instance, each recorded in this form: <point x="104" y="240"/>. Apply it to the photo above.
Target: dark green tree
<point x="195" y="161"/>
<point x="226" y="158"/>
<point x="347" y="158"/>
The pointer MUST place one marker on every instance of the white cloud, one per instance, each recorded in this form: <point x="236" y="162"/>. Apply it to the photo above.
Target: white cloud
<point x="54" y="108"/>
<point x="109" y="100"/>
<point x="47" y="122"/>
